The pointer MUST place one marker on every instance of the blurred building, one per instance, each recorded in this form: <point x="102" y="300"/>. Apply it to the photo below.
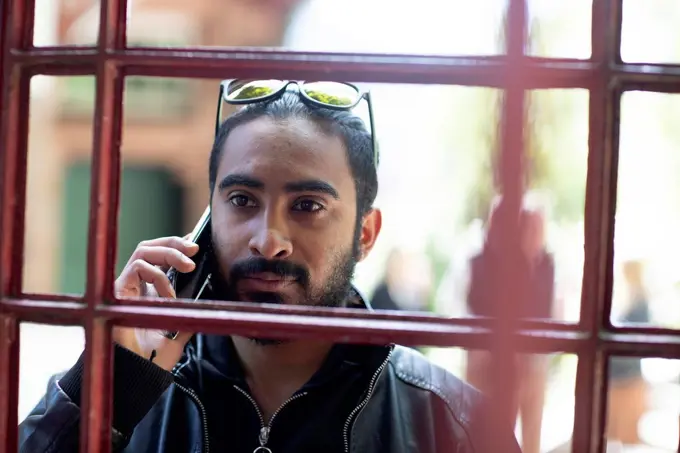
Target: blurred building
<point x="167" y="132"/>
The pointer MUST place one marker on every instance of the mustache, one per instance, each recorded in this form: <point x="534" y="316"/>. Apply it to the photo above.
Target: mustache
<point x="256" y="265"/>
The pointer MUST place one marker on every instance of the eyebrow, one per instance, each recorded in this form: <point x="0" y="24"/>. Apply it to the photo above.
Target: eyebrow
<point x="312" y="185"/>
<point x="308" y="185"/>
<point x="239" y="180"/>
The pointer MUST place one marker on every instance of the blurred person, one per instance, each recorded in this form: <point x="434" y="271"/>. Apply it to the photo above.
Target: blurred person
<point x="627" y="401"/>
<point x="406" y="284"/>
<point x="292" y="186"/>
<point x="537" y="269"/>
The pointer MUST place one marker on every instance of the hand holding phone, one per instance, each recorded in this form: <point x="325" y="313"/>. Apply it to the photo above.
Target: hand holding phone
<point x="166" y="267"/>
<point x="184" y="283"/>
<point x="191" y="285"/>
<point x="144" y="275"/>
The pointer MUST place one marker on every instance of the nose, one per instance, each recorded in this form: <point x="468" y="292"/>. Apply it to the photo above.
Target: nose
<point x="271" y="240"/>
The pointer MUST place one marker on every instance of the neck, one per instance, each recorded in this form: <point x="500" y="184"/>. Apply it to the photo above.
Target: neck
<point x="274" y="372"/>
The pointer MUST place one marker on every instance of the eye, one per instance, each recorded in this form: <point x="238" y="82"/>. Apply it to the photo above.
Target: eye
<point x="242" y="201"/>
<point x="307" y="206"/>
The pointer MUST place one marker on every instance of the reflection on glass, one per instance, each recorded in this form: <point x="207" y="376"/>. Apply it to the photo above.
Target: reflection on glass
<point x="559" y="29"/>
<point x="649" y="33"/>
<point x="437" y="139"/>
<point x="544" y="397"/>
<point x="552" y="221"/>
<point x="643" y="404"/>
<point x="646" y="248"/>
<point x="45" y="351"/>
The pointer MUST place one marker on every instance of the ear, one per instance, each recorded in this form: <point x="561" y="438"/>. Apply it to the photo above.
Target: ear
<point x="370" y="228"/>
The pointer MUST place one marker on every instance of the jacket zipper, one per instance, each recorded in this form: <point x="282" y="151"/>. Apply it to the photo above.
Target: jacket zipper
<point x="204" y="416"/>
<point x="190" y="392"/>
<point x="357" y="410"/>
<point x="265" y="429"/>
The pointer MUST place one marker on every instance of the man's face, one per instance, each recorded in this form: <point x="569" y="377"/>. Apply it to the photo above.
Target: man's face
<point x="284" y="215"/>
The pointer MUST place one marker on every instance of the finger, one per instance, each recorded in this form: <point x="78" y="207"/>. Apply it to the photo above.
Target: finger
<point x="185" y="246"/>
<point x="165" y="257"/>
<point x="140" y="272"/>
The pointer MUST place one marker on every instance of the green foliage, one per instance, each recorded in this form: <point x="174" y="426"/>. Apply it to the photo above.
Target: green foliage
<point x="550" y="168"/>
<point x="440" y="263"/>
<point x="483" y="189"/>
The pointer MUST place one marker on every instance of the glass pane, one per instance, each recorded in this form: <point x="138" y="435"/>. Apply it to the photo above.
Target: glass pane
<point x="456" y="27"/>
<point x="145" y="98"/>
<point x="649" y="32"/>
<point x="53" y="197"/>
<point x="45" y="351"/>
<point x="556" y="137"/>
<point x="559" y="29"/>
<point x="646" y="244"/>
<point x="643" y="404"/>
<point x="419" y="262"/>
<point x="443" y="153"/>
<point x="544" y="396"/>
<point x="458" y="126"/>
<point x="68" y="22"/>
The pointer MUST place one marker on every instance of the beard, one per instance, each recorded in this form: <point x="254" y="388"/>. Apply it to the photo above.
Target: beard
<point x="333" y="293"/>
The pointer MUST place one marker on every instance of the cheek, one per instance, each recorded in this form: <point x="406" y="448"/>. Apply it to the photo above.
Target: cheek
<point x="322" y="255"/>
<point x="227" y="238"/>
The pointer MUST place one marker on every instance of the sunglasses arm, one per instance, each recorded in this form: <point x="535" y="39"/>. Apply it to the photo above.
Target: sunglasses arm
<point x="376" y="152"/>
<point x="218" y="117"/>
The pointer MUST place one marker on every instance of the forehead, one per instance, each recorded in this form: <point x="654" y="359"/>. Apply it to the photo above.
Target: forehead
<point x="285" y="150"/>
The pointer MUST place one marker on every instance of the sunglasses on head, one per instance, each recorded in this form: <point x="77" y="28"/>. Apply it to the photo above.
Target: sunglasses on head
<point x="329" y="95"/>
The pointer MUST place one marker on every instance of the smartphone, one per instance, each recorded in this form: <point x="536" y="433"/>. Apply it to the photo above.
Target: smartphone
<point x="192" y="285"/>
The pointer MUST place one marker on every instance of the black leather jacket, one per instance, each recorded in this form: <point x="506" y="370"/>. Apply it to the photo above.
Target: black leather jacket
<point x="409" y="405"/>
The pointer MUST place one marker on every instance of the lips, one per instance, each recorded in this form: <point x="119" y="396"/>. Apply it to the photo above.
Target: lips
<point x="264" y="281"/>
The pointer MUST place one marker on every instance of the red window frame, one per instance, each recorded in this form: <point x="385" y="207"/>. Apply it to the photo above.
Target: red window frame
<point x="593" y="338"/>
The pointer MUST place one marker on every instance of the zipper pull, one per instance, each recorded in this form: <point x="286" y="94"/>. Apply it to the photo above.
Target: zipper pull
<point x="264" y="436"/>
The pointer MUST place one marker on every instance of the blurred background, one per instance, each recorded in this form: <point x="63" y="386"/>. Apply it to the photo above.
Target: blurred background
<point x="436" y="177"/>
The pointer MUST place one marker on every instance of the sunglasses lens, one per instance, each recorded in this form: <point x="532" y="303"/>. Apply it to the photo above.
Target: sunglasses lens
<point x="332" y="93"/>
<point x="251" y="90"/>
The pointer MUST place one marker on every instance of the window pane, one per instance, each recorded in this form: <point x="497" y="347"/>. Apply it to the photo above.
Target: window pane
<point x="68" y="22"/>
<point x="650" y="31"/>
<point x="457" y="27"/>
<point x="556" y="141"/>
<point x="146" y="98"/>
<point x="646" y="244"/>
<point x="45" y="351"/>
<point x="435" y="226"/>
<point x="429" y="225"/>
<point x="53" y="196"/>
<point x="544" y="396"/>
<point x="559" y="29"/>
<point x="643" y="404"/>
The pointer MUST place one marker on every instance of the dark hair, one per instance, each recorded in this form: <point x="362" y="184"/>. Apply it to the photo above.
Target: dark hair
<point x="341" y="123"/>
